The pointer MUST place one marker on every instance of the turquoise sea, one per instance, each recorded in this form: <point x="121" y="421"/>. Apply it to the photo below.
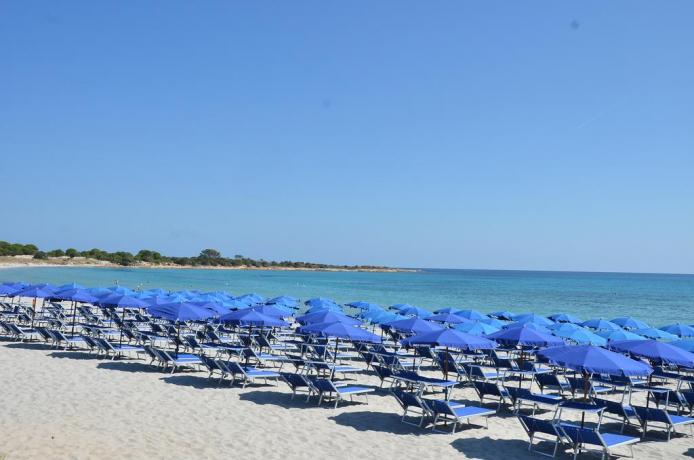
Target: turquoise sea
<point x="654" y="298"/>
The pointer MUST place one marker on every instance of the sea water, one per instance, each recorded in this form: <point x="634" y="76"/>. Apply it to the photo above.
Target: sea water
<point x="658" y="299"/>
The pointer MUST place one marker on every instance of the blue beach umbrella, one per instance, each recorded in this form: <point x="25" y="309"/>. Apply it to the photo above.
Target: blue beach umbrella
<point x="327" y="316"/>
<point x="319" y="308"/>
<point x="36" y="292"/>
<point x="414" y="311"/>
<point x="251" y="299"/>
<point x="216" y="308"/>
<point x="274" y="310"/>
<point x="492" y="322"/>
<point x="76" y="295"/>
<point x="361" y="305"/>
<point x="180" y="311"/>
<point x="590" y="359"/>
<point x="413" y="325"/>
<point x="525" y="336"/>
<point x="285" y="301"/>
<point x="679" y="329"/>
<point x="471" y="314"/>
<point x="476" y="328"/>
<point x="69" y="286"/>
<point x="687" y="345"/>
<point x="565" y="318"/>
<point x="381" y="317"/>
<point x="446" y="310"/>
<point x="122" y="290"/>
<point x="320" y="302"/>
<point x="565" y="327"/>
<point x="9" y="290"/>
<point x="400" y="306"/>
<point x="582" y="336"/>
<point x="450" y="338"/>
<point x="340" y="331"/>
<point x="653" y="333"/>
<point x="116" y="300"/>
<point x="250" y="317"/>
<point x="601" y="325"/>
<point x="653" y="350"/>
<point x="503" y="315"/>
<point x="627" y="322"/>
<point x="448" y="318"/>
<point x="533" y="326"/>
<point x="616" y="336"/>
<point x="533" y="319"/>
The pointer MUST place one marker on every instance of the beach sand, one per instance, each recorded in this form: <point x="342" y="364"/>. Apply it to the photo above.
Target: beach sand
<point x="70" y="404"/>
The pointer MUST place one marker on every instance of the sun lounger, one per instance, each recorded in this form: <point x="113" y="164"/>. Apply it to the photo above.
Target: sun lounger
<point x="521" y="396"/>
<point x="651" y="415"/>
<point x="491" y="389"/>
<point x="543" y="431"/>
<point x="116" y="350"/>
<point x="409" y="401"/>
<point x="594" y="388"/>
<point x="451" y="411"/>
<point x="549" y="381"/>
<point x="624" y="412"/>
<point x="298" y="383"/>
<point x="246" y="374"/>
<point x="327" y="389"/>
<point x="580" y="438"/>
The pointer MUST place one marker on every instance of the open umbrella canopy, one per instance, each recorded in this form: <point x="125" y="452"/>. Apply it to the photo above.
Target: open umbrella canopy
<point x="180" y="311"/>
<point x="319" y="308"/>
<point x="533" y="326"/>
<point x="9" y="290"/>
<point x="601" y="325"/>
<point x="687" y="345"/>
<point x="327" y="316"/>
<point x="659" y="352"/>
<point x="121" y="290"/>
<point x="400" y="306"/>
<point x="581" y="336"/>
<point x="36" y="292"/>
<point x="565" y="318"/>
<point x="450" y="338"/>
<point x="216" y="308"/>
<point x="380" y="316"/>
<point x="679" y="329"/>
<point x="448" y="318"/>
<point x="340" y="331"/>
<point x="284" y="300"/>
<point x="616" y="336"/>
<point x="471" y="314"/>
<point x="502" y="314"/>
<point x="653" y="333"/>
<point x="525" y="336"/>
<point x="415" y="311"/>
<point x="493" y="322"/>
<point x="251" y="299"/>
<point x="591" y="359"/>
<point x="564" y="327"/>
<point x="446" y="310"/>
<point x="627" y="322"/>
<point x="320" y="302"/>
<point x="413" y="325"/>
<point x="250" y="317"/>
<point x="77" y="295"/>
<point x="476" y="328"/>
<point x="120" y="300"/>
<point x="69" y="286"/>
<point x="361" y="305"/>
<point x="533" y="319"/>
<point x="276" y="311"/>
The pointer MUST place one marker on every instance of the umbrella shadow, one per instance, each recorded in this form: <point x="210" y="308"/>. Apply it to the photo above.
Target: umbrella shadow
<point x="81" y="355"/>
<point x="382" y="422"/>
<point x="30" y="346"/>
<point x="277" y="398"/>
<point x="192" y="381"/>
<point x="689" y="452"/>
<point x="489" y="449"/>
<point x="124" y="366"/>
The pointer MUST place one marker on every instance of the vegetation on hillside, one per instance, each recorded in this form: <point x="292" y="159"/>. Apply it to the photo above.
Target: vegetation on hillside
<point x="207" y="257"/>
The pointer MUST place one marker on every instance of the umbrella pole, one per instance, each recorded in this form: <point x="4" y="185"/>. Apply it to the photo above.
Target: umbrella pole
<point x="337" y="345"/>
<point x="74" y="320"/>
<point x="445" y="365"/>
<point x="33" y="313"/>
<point x="520" y="376"/>
<point x="122" y="325"/>
<point x="178" y="337"/>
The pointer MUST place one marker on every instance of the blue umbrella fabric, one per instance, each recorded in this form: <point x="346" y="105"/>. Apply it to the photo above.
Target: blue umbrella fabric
<point x="525" y="336"/>
<point x="533" y="319"/>
<point x="361" y="305"/>
<point x="601" y="325"/>
<point x="320" y="302"/>
<point x="565" y="318"/>
<point x="340" y="331"/>
<point x="251" y="299"/>
<point x="617" y="336"/>
<point x="77" y="295"/>
<point x="627" y="322"/>
<point x="285" y="301"/>
<point x="591" y="359"/>
<point x="653" y="350"/>
<point x="327" y="316"/>
<point x="679" y="329"/>
<point x="533" y="326"/>
<point x="274" y="310"/>
<point x="415" y="311"/>
<point x="180" y="311"/>
<point x="581" y="336"/>
<point x="250" y="317"/>
<point x="476" y="328"/>
<point x="449" y="318"/>
<point x="69" y="286"/>
<point x="653" y="333"/>
<point x="413" y="325"/>
<point x="446" y="310"/>
<point x="450" y="338"/>
<point x="36" y="292"/>
<point x="471" y="314"/>
<point x="120" y="300"/>
<point x="502" y="315"/>
<point x="686" y="345"/>
<point x="9" y="290"/>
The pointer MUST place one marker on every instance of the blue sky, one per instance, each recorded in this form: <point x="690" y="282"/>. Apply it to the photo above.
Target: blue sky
<point x="520" y="135"/>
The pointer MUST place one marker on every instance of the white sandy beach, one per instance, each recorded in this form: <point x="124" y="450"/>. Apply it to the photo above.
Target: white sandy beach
<point x="69" y="404"/>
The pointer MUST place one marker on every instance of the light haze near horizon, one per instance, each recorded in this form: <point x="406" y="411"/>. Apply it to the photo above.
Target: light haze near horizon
<point x="533" y="135"/>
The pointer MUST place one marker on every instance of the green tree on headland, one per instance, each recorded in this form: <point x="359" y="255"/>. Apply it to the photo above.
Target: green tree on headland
<point x="71" y="253"/>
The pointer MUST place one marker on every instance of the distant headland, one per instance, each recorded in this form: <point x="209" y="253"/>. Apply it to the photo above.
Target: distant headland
<point x="29" y="255"/>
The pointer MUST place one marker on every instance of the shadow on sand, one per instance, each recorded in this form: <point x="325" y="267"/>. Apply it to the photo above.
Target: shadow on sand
<point x="377" y="421"/>
<point x="278" y="398"/>
<point x="493" y="449"/>
<point x="193" y="381"/>
<point x="30" y="346"/>
<point x="75" y="355"/>
<point x="689" y="453"/>
<point x="125" y="366"/>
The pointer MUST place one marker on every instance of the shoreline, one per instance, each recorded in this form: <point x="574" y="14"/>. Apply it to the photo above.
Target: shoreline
<point x="80" y="262"/>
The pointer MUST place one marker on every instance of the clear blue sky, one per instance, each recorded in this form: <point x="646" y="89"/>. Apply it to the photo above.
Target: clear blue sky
<point x="521" y="135"/>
